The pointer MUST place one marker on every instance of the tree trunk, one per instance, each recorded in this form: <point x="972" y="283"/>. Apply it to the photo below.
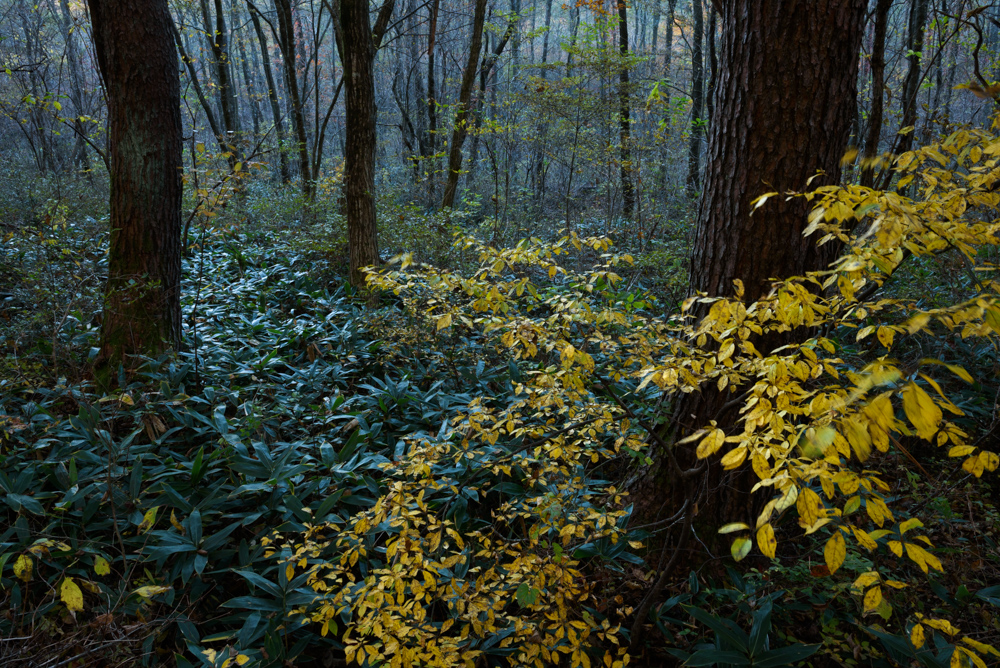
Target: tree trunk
<point x="138" y="61"/>
<point x="668" y="47"/>
<point x="784" y="106"/>
<point x="713" y="64"/>
<point x="81" y="157"/>
<point x="878" y="92"/>
<point x="431" y="142"/>
<point x="286" y="42"/>
<point x="697" y="101"/>
<point x="624" y="120"/>
<point x="272" y="94"/>
<point x="360" y="44"/>
<point x="464" y="97"/>
<point x="911" y="85"/>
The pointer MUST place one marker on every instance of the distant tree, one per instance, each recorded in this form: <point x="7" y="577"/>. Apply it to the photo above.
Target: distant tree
<point x="138" y="62"/>
<point x="464" y="106"/>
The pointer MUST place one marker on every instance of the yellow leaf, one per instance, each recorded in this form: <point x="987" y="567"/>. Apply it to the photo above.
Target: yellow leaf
<point x="961" y="450"/>
<point x="150" y="591"/>
<point x="942" y="625"/>
<point x="766" y="541"/>
<point x="735" y="526"/>
<point x="917" y="636"/>
<point x="885" y="335"/>
<point x="922" y="557"/>
<point x="809" y="506"/>
<point x="741" y="548"/>
<point x="711" y="443"/>
<point x="921" y="411"/>
<point x="290" y="571"/>
<point x="241" y="659"/>
<point x="873" y="598"/>
<point x="101" y="566"/>
<point x="444" y="321"/>
<point x="958" y="659"/>
<point x="148" y="520"/>
<point x="176" y="523"/>
<point x="864" y="540"/>
<point x="23" y="567"/>
<point x="981" y="646"/>
<point x="71" y="595"/>
<point x="835" y="551"/>
<point x="734" y="458"/>
<point x="865" y="580"/>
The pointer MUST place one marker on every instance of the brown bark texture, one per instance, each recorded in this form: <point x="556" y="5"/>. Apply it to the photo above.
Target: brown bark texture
<point x="783" y="109"/>
<point x="138" y="61"/>
<point x="360" y="44"/>
<point x="784" y="104"/>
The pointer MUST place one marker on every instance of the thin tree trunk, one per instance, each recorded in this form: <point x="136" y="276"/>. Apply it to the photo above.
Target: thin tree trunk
<point x="431" y="142"/>
<point x="81" y="157"/>
<point x="464" y="97"/>
<point x="272" y="93"/>
<point x="697" y="101"/>
<point x="911" y="85"/>
<point x="668" y="47"/>
<point x="286" y="33"/>
<point x="625" y="130"/>
<point x="878" y="93"/>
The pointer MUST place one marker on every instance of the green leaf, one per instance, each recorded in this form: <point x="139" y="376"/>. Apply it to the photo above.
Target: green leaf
<point x="526" y="595"/>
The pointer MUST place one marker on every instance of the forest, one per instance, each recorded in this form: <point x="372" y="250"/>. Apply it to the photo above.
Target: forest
<point x="499" y="333"/>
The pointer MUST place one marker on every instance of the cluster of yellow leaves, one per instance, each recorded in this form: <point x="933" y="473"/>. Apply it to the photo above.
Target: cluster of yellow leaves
<point x="70" y="588"/>
<point x="435" y="593"/>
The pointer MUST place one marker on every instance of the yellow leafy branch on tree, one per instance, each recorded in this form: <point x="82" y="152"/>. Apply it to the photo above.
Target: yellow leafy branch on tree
<point x="443" y="587"/>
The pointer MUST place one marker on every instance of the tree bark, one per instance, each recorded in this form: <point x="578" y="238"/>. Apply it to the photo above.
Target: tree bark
<point x="286" y="42"/>
<point x="697" y="101"/>
<point x="911" y="85"/>
<point x="138" y="61"/>
<point x="624" y="120"/>
<point x="360" y="45"/>
<point x="878" y="93"/>
<point x="431" y="142"/>
<point x="464" y="98"/>
<point x="783" y="109"/>
<point x="272" y="93"/>
<point x="784" y="106"/>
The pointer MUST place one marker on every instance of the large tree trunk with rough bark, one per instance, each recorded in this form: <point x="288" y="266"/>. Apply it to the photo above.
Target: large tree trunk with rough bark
<point x="138" y="61"/>
<point x="784" y="105"/>
<point x="360" y="45"/>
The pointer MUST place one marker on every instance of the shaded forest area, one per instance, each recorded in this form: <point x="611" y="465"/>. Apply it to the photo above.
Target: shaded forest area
<point x="499" y="333"/>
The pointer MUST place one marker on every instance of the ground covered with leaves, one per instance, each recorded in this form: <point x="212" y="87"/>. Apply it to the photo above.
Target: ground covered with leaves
<point x="444" y="480"/>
